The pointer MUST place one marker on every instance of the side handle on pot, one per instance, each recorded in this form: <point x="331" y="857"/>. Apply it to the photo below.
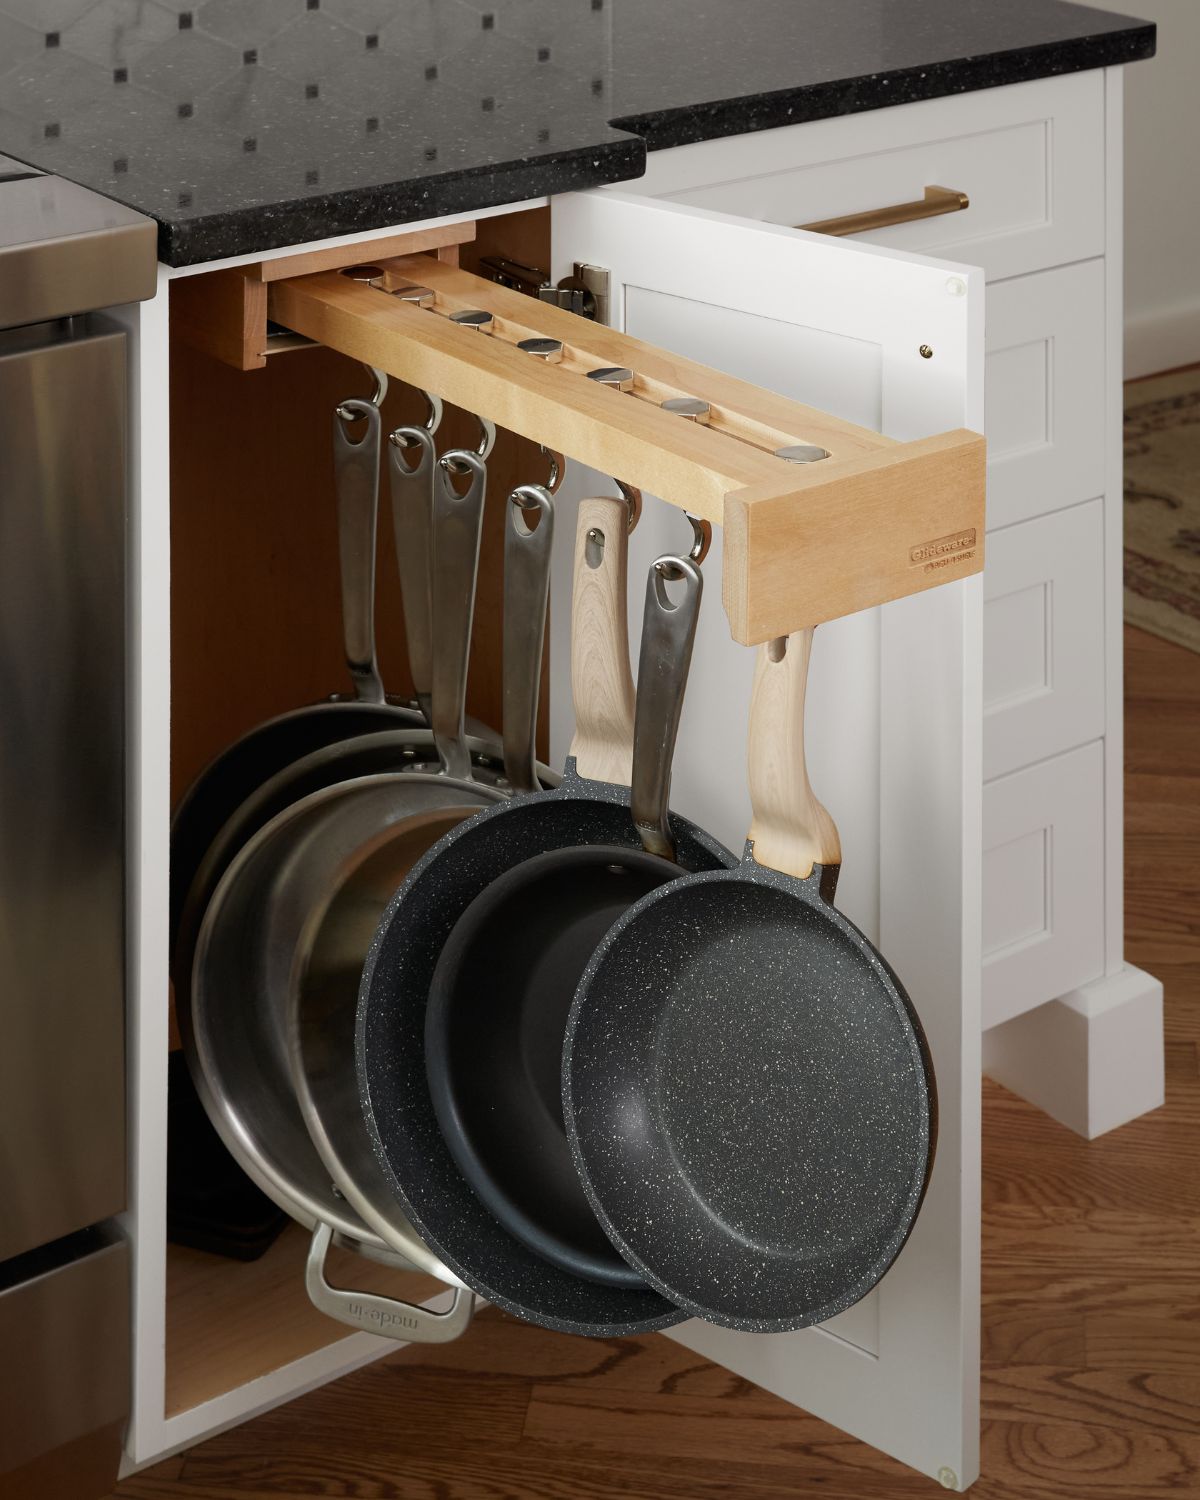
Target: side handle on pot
<point x="386" y="1316"/>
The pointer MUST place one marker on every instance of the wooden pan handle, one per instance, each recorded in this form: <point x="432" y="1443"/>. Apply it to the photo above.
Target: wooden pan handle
<point x="601" y="680"/>
<point x="791" y="831"/>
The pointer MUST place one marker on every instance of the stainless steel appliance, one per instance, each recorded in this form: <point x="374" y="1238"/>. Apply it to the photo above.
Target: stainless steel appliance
<point x="64" y="369"/>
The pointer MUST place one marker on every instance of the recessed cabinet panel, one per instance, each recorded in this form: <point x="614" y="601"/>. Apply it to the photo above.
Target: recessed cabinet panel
<point x="1018" y="416"/>
<point x="1016" y="905"/>
<point x="1043" y="638"/>
<point x="1030" y="159"/>
<point x="1045" y="392"/>
<point x="1043" y="872"/>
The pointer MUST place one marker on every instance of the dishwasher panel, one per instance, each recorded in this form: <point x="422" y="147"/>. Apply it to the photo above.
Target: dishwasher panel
<point x="62" y="774"/>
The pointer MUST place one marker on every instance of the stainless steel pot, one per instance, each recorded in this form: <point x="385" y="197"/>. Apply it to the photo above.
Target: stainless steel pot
<point x="297" y="904"/>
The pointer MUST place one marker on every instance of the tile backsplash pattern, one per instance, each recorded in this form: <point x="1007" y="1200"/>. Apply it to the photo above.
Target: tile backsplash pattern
<point x="195" y="108"/>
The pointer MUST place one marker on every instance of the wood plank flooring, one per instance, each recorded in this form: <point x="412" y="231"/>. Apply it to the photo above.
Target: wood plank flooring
<point x="1091" y="1298"/>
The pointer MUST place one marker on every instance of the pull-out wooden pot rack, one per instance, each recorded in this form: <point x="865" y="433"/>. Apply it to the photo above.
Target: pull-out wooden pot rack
<point x="804" y="542"/>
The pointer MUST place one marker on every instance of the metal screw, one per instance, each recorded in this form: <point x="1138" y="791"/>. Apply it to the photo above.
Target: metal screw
<point x="690" y="407"/>
<point x="802" y="453"/>
<point x="614" y="375"/>
<point x="362" y="273"/>
<point x="421" y="295"/>
<point x="550" y="350"/>
<point x="474" y="317"/>
<point x="926" y="352"/>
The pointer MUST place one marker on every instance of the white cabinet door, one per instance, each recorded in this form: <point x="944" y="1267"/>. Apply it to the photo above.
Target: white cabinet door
<point x="894" y="729"/>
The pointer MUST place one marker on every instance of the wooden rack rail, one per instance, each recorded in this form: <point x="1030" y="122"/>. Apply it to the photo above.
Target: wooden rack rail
<point x="804" y="543"/>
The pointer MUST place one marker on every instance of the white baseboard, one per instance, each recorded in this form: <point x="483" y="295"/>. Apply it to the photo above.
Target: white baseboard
<point x="1092" y="1060"/>
<point x="1162" y="342"/>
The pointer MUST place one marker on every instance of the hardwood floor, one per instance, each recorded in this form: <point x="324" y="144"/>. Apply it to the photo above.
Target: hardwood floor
<point x="1091" y="1297"/>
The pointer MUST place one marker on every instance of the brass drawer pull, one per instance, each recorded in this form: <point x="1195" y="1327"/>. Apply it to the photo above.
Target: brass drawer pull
<point x="937" y="200"/>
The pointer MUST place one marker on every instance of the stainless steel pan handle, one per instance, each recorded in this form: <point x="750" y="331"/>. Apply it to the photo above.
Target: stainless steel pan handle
<point x="668" y="635"/>
<point x="386" y="1316"/>
<point x="412" y="460"/>
<point x="356" y="475"/>
<point x="526" y="596"/>
<point x="457" y="527"/>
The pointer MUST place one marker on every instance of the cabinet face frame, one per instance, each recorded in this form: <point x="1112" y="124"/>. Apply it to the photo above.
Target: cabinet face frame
<point x="945" y="616"/>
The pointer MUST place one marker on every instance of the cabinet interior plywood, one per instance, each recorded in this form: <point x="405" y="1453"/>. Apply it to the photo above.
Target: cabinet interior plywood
<point x="230" y="1322"/>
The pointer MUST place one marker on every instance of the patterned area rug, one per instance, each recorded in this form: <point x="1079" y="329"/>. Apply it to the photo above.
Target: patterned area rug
<point x="1162" y="506"/>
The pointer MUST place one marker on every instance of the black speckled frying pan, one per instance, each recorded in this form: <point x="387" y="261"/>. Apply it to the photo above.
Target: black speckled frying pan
<point x="746" y="1087"/>
<point x="590" y="807"/>
<point x="504" y="982"/>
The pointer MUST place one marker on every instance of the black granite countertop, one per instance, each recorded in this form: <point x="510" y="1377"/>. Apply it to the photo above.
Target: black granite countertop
<point x="243" y="125"/>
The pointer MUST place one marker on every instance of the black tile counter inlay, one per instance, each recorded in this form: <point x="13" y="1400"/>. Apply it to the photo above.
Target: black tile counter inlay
<point x="243" y="125"/>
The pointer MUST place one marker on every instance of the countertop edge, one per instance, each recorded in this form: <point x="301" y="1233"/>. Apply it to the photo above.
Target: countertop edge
<point x="360" y="209"/>
<point x="694" y="123"/>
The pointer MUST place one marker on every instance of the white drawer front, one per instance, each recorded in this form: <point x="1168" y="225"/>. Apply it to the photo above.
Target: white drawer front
<point x="1045" y="392"/>
<point x="1043" y="638"/>
<point x="1043" y="882"/>
<point x="1030" y="158"/>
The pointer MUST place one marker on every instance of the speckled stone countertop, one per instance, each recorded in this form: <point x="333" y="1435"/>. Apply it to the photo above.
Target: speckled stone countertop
<point x="244" y="125"/>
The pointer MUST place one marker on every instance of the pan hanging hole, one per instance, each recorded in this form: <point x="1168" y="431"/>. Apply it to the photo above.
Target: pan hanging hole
<point x="668" y="574"/>
<point x="454" y="467"/>
<point x="352" y="413"/>
<point x="777" y="649"/>
<point x="530" y="504"/>
<point x="593" y="548"/>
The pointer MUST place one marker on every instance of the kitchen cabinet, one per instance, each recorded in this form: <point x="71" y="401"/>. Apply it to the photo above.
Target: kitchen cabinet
<point x="895" y="725"/>
<point x="898" y="734"/>
<point x="1039" y="164"/>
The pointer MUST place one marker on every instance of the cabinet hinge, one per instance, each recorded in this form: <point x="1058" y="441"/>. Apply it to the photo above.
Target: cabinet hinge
<point x="584" y="292"/>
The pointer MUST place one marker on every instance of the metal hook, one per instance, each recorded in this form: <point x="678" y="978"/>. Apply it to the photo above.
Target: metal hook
<point x="558" y="467"/>
<point x="375" y="398"/>
<point x="633" y="499"/>
<point x="701" y="542"/>
<point x="402" y="437"/>
<point x="701" y="537"/>
<point x="668" y="568"/>
<point x="487" y="440"/>
<point x="526" y="498"/>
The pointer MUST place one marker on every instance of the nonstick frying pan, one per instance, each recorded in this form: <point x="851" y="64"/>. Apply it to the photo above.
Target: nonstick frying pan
<point x="505" y="980"/>
<point x="253" y="758"/>
<point x="746" y="1086"/>
<point x="591" y="806"/>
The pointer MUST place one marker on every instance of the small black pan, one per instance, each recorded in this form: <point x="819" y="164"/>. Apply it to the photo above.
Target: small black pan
<point x="504" y="982"/>
<point x="591" y="806"/>
<point x="746" y="1087"/>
